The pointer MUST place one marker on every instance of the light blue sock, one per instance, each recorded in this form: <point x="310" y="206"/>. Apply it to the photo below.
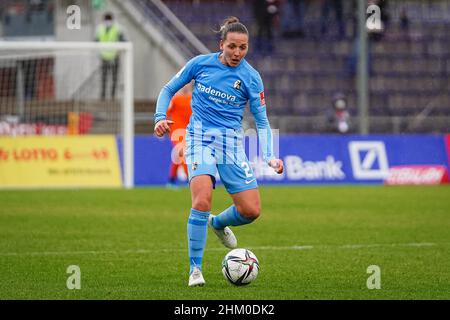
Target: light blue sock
<point x="230" y="217"/>
<point x="197" y="230"/>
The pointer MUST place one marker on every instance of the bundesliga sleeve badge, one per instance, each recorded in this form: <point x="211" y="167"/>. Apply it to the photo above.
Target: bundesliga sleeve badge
<point x="262" y="98"/>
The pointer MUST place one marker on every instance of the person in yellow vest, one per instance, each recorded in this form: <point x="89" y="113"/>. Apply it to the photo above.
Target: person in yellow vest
<point x="109" y="31"/>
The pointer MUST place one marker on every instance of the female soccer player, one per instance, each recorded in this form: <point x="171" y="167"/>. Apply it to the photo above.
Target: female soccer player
<point x="224" y="83"/>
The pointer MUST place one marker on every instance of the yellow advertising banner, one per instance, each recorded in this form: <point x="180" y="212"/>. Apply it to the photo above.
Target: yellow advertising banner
<point x="59" y="161"/>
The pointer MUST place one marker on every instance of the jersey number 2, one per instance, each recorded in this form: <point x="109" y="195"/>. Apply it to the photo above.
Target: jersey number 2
<point x="246" y="168"/>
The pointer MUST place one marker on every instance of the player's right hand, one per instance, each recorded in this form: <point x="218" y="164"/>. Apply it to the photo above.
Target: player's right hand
<point x="162" y="127"/>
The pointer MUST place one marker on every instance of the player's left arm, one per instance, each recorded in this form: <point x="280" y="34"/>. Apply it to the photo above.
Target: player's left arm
<point x="265" y="136"/>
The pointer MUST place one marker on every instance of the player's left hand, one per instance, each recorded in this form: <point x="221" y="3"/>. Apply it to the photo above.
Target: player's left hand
<point x="277" y="165"/>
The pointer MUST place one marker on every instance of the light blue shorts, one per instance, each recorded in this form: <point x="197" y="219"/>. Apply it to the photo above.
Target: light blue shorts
<point x="232" y="165"/>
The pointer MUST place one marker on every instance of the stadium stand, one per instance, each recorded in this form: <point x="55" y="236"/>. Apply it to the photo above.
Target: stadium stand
<point x="410" y="68"/>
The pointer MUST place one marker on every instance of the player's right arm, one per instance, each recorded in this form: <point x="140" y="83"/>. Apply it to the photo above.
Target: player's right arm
<point x="163" y="126"/>
<point x="183" y="77"/>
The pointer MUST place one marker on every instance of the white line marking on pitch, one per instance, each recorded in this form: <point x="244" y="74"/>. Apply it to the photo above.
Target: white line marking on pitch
<point x="280" y="248"/>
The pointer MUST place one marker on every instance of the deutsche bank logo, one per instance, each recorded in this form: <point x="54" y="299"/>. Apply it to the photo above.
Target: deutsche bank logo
<point x="369" y="159"/>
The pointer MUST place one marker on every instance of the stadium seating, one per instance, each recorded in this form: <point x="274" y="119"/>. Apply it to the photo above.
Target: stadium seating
<point x="410" y="69"/>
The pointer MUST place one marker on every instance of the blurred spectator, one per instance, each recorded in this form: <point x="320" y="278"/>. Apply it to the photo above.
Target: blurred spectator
<point x="2" y="11"/>
<point x="352" y="62"/>
<point x="50" y="10"/>
<point x="327" y="6"/>
<point x="32" y="7"/>
<point x="179" y="112"/>
<point x="109" y="31"/>
<point x="404" y="21"/>
<point x="27" y="18"/>
<point x="292" y="20"/>
<point x="4" y="16"/>
<point x="264" y="12"/>
<point x="339" y="117"/>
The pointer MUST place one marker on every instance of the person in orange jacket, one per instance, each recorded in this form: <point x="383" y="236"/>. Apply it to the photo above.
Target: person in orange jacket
<point x="179" y="113"/>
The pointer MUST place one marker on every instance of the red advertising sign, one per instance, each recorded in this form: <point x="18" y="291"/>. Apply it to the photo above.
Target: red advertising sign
<point x="417" y="175"/>
<point x="447" y="146"/>
<point x="31" y="129"/>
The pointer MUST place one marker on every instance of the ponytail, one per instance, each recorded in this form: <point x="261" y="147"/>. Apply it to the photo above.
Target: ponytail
<point x="231" y="24"/>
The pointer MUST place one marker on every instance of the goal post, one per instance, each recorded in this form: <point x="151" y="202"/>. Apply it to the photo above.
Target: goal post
<point x="67" y="88"/>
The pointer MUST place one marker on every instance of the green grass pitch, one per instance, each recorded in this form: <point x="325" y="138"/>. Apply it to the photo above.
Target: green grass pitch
<point x="312" y="242"/>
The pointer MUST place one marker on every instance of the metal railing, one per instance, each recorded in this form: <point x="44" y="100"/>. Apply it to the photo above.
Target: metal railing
<point x="168" y="23"/>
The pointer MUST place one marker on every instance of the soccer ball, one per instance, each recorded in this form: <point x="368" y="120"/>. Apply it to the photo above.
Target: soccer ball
<point x="240" y="266"/>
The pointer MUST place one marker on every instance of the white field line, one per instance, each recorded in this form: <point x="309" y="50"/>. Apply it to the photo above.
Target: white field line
<point x="259" y="248"/>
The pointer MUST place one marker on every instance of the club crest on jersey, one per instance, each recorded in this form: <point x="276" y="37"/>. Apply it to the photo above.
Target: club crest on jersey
<point x="194" y="166"/>
<point x="237" y="84"/>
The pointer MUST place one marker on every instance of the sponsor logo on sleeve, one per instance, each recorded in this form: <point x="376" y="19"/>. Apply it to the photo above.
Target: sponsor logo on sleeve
<point x="262" y="98"/>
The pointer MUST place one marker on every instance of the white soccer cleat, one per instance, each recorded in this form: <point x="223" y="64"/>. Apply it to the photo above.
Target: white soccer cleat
<point x="225" y="235"/>
<point x="196" y="278"/>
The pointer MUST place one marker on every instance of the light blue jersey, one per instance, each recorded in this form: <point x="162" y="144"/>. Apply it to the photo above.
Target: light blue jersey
<point x="219" y="97"/>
